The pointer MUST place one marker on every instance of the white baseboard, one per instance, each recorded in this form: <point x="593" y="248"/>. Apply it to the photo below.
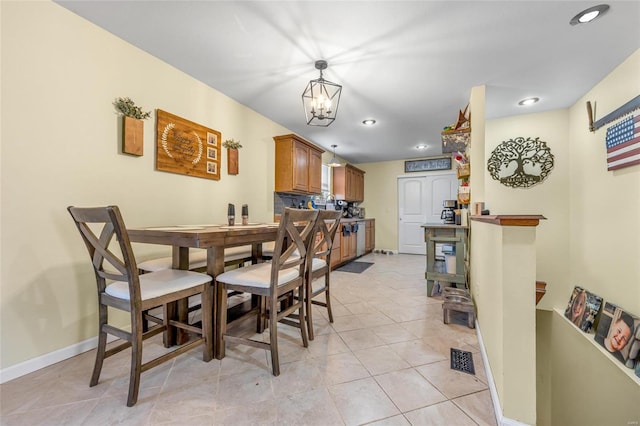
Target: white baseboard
<point x="500" y="419"/>
<point x="34" y="364"/>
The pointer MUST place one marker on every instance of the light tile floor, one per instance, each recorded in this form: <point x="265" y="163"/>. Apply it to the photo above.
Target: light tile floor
<point x="384" y="361"/>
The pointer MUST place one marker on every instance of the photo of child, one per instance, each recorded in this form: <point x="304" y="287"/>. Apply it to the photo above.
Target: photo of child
<point x="616" y="333"/>
<point x="582" y="308"/>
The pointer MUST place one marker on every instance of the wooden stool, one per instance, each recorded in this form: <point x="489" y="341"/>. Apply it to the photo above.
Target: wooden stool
<point x="454" y="291"/>
<point x="459" y="303"/>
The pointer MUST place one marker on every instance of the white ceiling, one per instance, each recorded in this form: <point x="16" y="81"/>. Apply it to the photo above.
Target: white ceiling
<point x="408" y="64"/>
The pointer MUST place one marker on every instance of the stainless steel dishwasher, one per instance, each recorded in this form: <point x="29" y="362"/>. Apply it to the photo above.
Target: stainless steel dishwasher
<point x="361" y="236"/>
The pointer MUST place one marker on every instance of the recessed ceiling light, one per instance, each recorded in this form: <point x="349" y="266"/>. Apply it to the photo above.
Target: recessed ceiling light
<point x="589" y="15"/>
<point x="528" y="101"/>
<point x="421" y="146"/>
<point x="369" y="122"/>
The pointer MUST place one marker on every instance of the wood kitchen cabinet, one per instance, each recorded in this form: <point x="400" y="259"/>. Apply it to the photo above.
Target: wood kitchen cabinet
<point x="298" y="167"/>
<point x="370" y="241"/>
<point x="336" y="255"/>
<point x="345" y="247"/>
<point x="347" y="244"/>
<point x="348" y="183"/>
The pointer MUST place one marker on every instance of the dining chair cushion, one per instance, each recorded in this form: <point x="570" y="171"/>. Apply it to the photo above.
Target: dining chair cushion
<point x="236" y="253"/>
<point x="258" y="275"/>
<point x="156" y="284"/>
<point x="197" y="259"/>
<point x="267" y="248"/>
<point x="318" y="264"/>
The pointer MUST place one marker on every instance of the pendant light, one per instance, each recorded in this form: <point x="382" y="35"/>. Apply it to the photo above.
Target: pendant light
<point x="320" y="99"/>
<point x="334" y="161"/>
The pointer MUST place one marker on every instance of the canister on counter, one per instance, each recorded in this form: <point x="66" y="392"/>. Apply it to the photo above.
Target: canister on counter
<point x="477" y="208"/>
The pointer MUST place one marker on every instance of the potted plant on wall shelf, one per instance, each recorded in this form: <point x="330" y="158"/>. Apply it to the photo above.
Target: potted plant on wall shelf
<point x="132" y="125"/>
<point x="232" y="146"/>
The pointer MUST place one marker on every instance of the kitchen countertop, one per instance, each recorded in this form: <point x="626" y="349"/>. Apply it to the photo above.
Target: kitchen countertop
<point x="276" y="218"/>
<point x="354" y="219"/>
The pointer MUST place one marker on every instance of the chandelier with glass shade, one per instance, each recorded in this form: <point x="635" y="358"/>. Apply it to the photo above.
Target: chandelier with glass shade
<point x="320" y="99"/>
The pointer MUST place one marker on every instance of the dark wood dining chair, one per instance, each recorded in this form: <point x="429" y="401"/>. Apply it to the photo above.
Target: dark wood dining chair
<point x="120" y="286"/>
<point x="319" y="264"/>
<point x="272" y="282"/>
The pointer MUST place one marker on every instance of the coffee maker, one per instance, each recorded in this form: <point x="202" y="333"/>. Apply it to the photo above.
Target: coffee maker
<point x="448" y="214"/>
<point x="353" y="210"/>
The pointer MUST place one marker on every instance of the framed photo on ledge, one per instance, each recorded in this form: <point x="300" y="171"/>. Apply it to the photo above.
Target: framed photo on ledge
<point x="582" y="308"/>
<point x="618" y="333"/>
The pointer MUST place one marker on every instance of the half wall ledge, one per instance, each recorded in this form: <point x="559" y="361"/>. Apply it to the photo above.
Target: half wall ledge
<point x="511" y="219"/>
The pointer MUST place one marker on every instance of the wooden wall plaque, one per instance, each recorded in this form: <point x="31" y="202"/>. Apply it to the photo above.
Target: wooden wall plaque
<point x="232" y="161"/>
<point x="132" y="136"/>
<point x="186" y="148"/>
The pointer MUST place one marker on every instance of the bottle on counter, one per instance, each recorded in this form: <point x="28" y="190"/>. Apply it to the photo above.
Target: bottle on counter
<point x="231" y="214"/>
<point x="245" y="214"/>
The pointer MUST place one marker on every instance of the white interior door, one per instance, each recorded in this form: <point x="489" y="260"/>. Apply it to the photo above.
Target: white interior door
<point x="439" y="188"/>
<point x="412" y="213"/>
<point x="419" y="202"/>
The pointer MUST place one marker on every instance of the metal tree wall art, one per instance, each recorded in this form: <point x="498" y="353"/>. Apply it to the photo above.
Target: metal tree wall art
<point x="520" y="162"/>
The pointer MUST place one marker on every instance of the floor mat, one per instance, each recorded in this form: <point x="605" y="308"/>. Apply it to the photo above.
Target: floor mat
<point x="355" y="267"/>
<point x="462" y="361"/>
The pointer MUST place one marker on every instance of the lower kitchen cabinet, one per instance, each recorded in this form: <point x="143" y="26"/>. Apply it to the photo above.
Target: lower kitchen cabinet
<point x="345" y="245"/>
<point x="336" y="256"/>
<point x="370" y="240"/>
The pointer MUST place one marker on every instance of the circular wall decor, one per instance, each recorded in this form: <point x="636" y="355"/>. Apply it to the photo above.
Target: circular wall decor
<point x="520" y="162"/>
<point x="182" y="143"/>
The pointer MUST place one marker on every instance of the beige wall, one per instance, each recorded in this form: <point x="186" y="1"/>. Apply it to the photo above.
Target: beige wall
<point x="381" y="200"/>
<point x="578" y="245"/>
<point x="60" y="146"/>
<point x="476" y="152"/>
<point x="604" y="248"/>
<point x="549" y="198"/>
<point x="586" y="387"/>
<point x="604" y="253"/>
<point x="504" y="263"/>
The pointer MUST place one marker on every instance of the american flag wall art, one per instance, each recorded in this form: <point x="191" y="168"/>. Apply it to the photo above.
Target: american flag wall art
<point x="623" y="143"/>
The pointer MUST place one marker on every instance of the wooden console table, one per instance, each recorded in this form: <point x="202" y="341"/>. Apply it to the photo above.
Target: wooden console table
<point x="438" y="233"/>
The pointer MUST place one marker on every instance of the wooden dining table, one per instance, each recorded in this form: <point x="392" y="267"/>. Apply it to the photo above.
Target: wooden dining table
<point x="213" y="238"/>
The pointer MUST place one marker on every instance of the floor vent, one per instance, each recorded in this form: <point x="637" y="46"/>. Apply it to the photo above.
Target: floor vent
<point x="462" y="361"/>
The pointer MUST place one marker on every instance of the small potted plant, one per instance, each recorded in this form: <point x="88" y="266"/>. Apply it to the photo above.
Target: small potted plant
<point x="132" y="126"/>
<point x="232" y="146"/>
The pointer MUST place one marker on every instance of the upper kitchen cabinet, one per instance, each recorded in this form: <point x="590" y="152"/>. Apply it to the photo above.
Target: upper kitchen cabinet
<point x="298" y="165"/>
<point x="348" y="183"/>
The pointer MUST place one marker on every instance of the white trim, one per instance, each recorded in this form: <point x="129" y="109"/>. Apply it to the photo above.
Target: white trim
<point x="34" y="364"/>
<point x="451" y="172"/>
<point x="500" y="419"/>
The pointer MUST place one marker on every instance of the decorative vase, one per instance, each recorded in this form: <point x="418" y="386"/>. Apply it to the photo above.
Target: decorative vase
<point x="232" y="161"/>
<point x="132" y="136"/>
